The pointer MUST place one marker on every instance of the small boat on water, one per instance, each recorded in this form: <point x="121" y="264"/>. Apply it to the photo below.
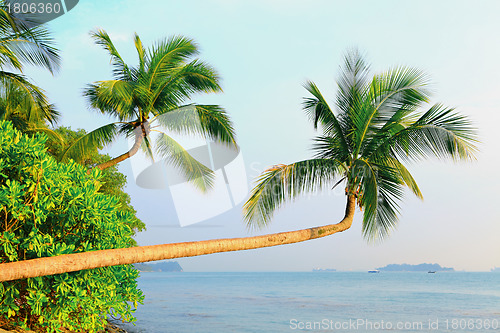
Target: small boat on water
<point x="431" y="272"/>
<point x="374" y="271"/>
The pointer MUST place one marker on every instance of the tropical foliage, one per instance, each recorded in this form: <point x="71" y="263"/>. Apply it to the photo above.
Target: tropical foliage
<point x="48" y="209"/>
<point x="155" y="95"/>
<point x="24" y="42"/>
<point x="16" y="106"/>
<point x="374" y="128"/>
<point x="112" y="181"/>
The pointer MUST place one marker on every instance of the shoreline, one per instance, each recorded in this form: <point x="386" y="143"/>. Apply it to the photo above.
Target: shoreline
<point x="5" y="327"/>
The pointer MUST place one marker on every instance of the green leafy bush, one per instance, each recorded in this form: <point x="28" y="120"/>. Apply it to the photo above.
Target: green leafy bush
<point x="113" y="182"/>
<point x="47" y="209"/>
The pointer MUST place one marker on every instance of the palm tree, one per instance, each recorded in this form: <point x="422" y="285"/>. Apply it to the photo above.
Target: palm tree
<point x="152" y="95"/>
<point x="23" y="41"/>
<point x="375" y="127"/>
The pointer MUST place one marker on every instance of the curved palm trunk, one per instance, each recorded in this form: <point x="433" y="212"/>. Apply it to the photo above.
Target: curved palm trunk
<point x="94" y="259"/>
<point x="123" y="157"/>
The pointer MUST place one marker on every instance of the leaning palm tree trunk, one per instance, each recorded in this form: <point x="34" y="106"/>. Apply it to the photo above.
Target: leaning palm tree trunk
<point x="88" y="260"/>
<point x="124" y="156"/>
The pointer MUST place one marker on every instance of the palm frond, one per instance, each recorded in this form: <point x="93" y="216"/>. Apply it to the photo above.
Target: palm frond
<point x="169" y="54"/>
<point x="317" y="108"/>
<point x="7" y="20"/>
<point x="215" y="124"/>
<point x="24" y="41"/>
<point x="121" y="70"/>
<point x="404" y="174"/>
<point x="51" y="134"/>
<point x="352" y="86"/>
<point x="439" y="132"/>
<point x="115" y="97"/>
<point x="378" y="187"/>
<point x="141" y="52"/>
<point x="388" y="94"/>
<point x="17" y="89"/>
<point x="147" y="148"/>
<point x="195" y="172"/>
<point x="400" y="120"/>
<point x="199" y="76"/>
<point x="35" y="47"/>
<point x="330" y="147"/>
<point x="320" y="112"/>
<point x="9" y="58"/>
<point x="208" y="121"/>
<point x="177" y="85"/>
<point x="286" y="182"/>
<point x="16" y="20"/>
<point x="96" y="139"/>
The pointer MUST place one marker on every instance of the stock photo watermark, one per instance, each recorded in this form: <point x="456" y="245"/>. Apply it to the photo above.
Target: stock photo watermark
<point x="229" y="178"/>
<point x="36" y="12"/>
<point x="470" y="324"/>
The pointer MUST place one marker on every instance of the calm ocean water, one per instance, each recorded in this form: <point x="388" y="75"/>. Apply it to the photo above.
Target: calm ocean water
<point x="319" y="302"/>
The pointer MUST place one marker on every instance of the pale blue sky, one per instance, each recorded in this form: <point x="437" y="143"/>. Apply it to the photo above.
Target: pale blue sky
<point x="264" y="51"/>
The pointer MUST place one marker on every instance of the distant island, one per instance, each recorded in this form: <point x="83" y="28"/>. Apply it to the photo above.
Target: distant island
<point x="164" y="266"/>
<point x="324" y="270"/>
<point x="415" y="268"/>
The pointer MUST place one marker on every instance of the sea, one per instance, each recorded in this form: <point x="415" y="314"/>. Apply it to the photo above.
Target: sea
<point x="318" y="302"/>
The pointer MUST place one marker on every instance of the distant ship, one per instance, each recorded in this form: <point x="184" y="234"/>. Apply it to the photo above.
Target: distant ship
<point x="374" y="271"/>
<point x="495" y="270"/>
<point x="431" y="272"/>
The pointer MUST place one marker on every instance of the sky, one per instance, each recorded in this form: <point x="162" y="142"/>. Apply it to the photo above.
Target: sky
<point x="264" y="51"/>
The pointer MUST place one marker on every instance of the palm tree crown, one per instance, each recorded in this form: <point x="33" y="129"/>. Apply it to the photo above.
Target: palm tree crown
<point x="140" y="97"/>
<point x="375" y="126"/>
